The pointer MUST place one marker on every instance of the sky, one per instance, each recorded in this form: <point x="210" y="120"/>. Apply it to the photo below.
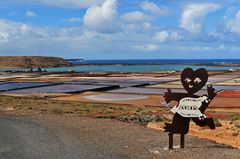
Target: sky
<point x="121" y="29"/>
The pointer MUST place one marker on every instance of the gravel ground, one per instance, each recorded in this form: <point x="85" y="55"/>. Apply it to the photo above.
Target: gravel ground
<point x="72" y="136"/>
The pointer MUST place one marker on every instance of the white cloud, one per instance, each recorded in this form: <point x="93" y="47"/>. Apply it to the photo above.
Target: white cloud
<point x="47" y="41"/>
<point x="7" y="29"/>
<point x="164" y="36"/>
<point x="221" y="47"/>
<point x="147" y="47"/>
<point x="4" y="36"/>
<point x="155" y="9"/>
<point x="205" y="47"/>
<point x="102" y="18"/>
<point x="140" y="28"/>
<point x="58" y="3"/>
<point x="30" y="13"/>
<point x="136" y="16"/>
<point x="193" y="16"/>
<point x="51" y="41"/>
<point x="234" y="24"/>
<point x="12" y="31"/>
<point x="70" y="3"/>
<point x="152" y="47"/>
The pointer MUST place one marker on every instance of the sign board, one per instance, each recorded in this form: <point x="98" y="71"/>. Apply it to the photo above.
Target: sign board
<point x="189" y="107"/>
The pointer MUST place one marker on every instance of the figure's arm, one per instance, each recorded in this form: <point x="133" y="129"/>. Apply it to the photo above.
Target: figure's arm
<point x="169" y="96"/>
<point x="211" y="92"/>
<point x="211" y="95"/>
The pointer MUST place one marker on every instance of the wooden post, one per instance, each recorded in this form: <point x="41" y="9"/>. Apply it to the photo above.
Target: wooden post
<point x="182" y="141"/>
<point x="170" y="141"/>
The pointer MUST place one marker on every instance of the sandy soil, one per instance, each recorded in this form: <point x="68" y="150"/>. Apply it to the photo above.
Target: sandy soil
<point x="228" y="110"/>
<point x="227" y="134"/>
<point x="225" y="102"/>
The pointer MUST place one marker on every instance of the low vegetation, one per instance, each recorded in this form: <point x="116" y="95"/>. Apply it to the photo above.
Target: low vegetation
<point x="217" y="122"/>
<point x="124" y="113"/>
<point x="235" y="117"/>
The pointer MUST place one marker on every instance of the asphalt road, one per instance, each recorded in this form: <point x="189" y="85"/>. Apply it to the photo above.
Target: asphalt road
<point x="73" y="137"/>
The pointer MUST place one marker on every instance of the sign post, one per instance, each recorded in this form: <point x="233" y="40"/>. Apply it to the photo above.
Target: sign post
<point x="190" y="106"/>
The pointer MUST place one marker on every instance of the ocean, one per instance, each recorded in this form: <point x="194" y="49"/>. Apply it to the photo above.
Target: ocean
<point x="148" y="65"/>
<point x="155" y="61"/>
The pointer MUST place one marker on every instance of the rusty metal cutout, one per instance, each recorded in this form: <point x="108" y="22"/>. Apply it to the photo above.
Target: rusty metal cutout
<point x="189" y="106"/>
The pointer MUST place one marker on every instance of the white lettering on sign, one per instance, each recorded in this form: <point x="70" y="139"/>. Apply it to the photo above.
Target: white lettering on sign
<point x="189" y="107"/>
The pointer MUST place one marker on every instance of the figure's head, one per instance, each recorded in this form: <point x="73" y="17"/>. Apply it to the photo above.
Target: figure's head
<point x="193" y="81"/>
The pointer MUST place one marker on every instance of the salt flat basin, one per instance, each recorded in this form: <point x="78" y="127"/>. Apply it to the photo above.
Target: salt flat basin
<point x="150" y="91"/>
<point x="114" y="97"/>
<point x="117" y="98"/>
<point x="61" y="88"/>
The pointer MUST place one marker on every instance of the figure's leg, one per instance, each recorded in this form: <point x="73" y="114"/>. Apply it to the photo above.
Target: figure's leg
<point x="180" y="125"/>
<point x="205" y="122"/>
<point x="170" y="141"/>
<point x="182" y="141"/>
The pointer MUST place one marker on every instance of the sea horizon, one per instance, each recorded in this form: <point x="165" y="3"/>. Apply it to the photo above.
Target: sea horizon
<point x="140" y="65"/>
<point x="152" y="61"/>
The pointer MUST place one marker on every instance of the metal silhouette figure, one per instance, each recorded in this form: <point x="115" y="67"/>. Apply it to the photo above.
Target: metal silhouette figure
<point x="189" y="106"/>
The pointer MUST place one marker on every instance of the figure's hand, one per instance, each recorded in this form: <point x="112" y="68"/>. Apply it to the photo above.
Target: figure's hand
<point x="168" y="95"/>
<point x="211" y="92"/>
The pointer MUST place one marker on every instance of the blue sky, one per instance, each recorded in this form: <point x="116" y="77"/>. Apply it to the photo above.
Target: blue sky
<point x="121" y="29"/>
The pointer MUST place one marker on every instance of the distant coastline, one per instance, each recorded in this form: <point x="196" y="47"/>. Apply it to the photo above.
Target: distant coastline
<point x="220" y="65"/>
<point x="32" y="62"/>
<point x="193" y="62"/>
<point x="60" y="65"/>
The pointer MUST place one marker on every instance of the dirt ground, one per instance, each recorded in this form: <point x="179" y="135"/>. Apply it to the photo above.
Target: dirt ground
<point x="76" y="137"/>
<point x="227" y="134"/>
